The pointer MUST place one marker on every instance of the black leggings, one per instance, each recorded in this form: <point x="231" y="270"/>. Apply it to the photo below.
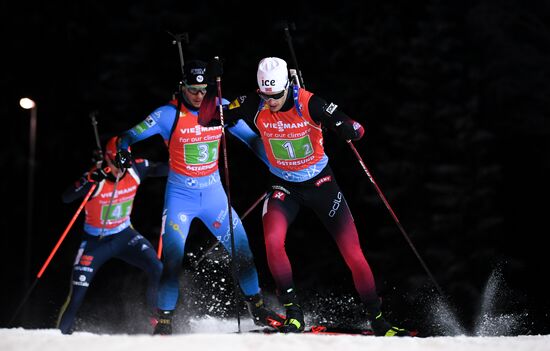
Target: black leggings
<point x="323" y="195"/>
<point x="127" y="245"/>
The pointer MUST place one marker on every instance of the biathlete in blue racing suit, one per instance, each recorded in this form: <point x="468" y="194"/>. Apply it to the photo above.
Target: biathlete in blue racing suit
<point x="194" y="190"/>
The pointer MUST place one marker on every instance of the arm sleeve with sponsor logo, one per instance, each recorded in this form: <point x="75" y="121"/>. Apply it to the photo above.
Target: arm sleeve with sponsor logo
<point x="159" y="121"/>
<point x="242" y="107"/>
<point x="209" y="115"/>
<point x="330" y="116"/>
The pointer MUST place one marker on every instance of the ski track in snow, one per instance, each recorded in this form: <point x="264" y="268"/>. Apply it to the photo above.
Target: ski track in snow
<point x="216" y="334"/>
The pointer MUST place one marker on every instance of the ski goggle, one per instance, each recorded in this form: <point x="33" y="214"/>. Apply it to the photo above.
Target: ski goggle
<point x="194" y="90"/>
<point x="266" y="97"/>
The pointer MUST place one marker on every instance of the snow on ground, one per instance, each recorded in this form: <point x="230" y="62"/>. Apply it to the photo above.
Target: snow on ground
<point x="216" y="334"/>
<point x="494" y="329"/>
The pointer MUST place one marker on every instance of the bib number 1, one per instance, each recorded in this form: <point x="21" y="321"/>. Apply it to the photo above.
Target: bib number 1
<point x="291" y="149"/>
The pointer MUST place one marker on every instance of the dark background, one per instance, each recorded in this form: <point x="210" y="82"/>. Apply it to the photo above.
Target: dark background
<point x="454" y="96"/>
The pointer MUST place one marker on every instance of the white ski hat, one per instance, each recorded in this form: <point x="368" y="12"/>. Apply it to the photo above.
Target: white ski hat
<point x="272" y="75"/>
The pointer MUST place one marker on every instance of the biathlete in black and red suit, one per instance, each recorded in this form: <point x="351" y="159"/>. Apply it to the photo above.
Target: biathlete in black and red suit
<point x="289" y="120"/>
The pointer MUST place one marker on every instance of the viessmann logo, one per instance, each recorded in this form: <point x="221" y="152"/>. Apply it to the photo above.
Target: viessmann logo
<point x="120" y="192"/>
<point x="281" y="126"/>
<point x="197" y="130"/>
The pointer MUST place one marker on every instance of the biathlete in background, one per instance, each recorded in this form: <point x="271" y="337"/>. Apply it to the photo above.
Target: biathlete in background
<point x="108" y="231"/>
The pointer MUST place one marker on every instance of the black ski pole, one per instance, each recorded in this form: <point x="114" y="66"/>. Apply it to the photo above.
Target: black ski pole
<point x="394" y="216"/>
<point x="178" y="38"/>
<point x="293" y="54"/>
<point x="99" y="162"/>
<point x="113" y="195"/>
<point x="217" y="243"/>
<point x="229" y="209"/>
<point x="369" y="175"/>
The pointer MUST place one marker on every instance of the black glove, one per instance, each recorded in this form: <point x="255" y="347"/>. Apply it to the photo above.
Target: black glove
<point x="214" y="69"/>
<point x="123" y="159"/>
<point x="350" y="131"/>
<point x="98" y="175"/>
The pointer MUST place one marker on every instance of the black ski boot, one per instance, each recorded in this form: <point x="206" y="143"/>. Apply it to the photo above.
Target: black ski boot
<point x="164" y="323"/>
<point x="261" y="314"/>
<point x="294" y="322"/>
<point x="381" y="327"/>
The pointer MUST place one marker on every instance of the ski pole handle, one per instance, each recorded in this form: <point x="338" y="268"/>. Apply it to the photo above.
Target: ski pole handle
<point x="295" y="78"/>
<point x="178" y="38"/>
<point x="293" y="54"/>
<point x="96" y="134"/>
